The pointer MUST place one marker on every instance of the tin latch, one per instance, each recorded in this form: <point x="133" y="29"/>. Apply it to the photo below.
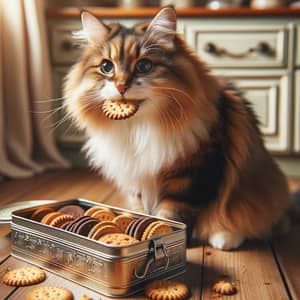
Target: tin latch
<point x="158" y="252"/>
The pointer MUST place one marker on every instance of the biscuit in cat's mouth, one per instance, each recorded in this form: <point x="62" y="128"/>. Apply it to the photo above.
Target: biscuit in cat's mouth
<point x="120" y="109"/>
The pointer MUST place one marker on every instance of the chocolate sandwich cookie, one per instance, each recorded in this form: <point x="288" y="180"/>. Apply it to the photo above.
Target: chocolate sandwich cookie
<point x="140" y="227"/>
<point x="74" y="210"/>
<point x="84" y="227"/>
<point x="131" y="226"/>
<point x="65" y="225"/>
<point x="71" y="224"/>
<point x="76" y="223"/>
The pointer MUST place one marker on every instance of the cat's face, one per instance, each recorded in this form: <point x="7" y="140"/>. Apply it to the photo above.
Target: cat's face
<point x="143" y="64"/>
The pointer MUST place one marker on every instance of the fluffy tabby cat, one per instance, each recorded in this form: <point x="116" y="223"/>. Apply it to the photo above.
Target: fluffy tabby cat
<point x="193" y="150"/>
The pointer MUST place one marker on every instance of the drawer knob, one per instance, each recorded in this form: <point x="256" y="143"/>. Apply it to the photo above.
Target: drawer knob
<point x="262" y="48"/>
<point x="210" y="48"/>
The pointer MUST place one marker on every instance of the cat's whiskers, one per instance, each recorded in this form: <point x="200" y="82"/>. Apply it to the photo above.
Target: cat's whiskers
<point x="60" y="122"/>
<point x="177" y="102"/>
<point x="46" y="111"/>
<point x="67" y="115"/>
<point x="49" y="100"/>
<point x="176" y="90"/>
<point x="170" y="120"/>
<point x="172" y="89"/>
<point x="173" y="117"/>
<point x="92" y="96"/>
<point x="166" y="119"/>
<point x="50" y="113"/>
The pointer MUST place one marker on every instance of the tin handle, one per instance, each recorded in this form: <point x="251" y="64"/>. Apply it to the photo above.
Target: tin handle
<point x="143" y="275"/>
<point x="156" y="256"/>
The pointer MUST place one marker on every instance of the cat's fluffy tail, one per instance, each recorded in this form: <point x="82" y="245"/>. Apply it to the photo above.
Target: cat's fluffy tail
<point x="291" y="217"/>
<point x="294" y="210"/>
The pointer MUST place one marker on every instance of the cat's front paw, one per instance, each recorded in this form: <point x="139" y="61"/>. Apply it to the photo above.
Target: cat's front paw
<point x="225" y="240"/>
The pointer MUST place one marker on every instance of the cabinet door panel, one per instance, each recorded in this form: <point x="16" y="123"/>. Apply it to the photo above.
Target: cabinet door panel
<point x="269" y="96"/>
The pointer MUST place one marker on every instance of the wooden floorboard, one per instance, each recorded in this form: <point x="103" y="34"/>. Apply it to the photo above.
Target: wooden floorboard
<point x="194" y="271"/>
<point x="61" y="185"/>
<point x="66" y="185"/>
<point x="287" y="250"/>
<point x="15" y="190"/>
<point x="251" y="268"/>
<point x="260" y="272"/>
<point x="5" y="242"/>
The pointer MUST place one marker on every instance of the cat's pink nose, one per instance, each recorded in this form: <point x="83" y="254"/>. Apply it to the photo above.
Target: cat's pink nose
<point x="122" y="88"/>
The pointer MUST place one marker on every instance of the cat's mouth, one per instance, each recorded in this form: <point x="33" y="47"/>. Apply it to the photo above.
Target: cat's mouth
<point x="120" y="109"/>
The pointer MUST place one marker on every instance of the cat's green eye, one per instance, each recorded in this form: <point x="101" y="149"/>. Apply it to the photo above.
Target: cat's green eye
<point x="107" y="67"/>
<point x="143" y="66"/>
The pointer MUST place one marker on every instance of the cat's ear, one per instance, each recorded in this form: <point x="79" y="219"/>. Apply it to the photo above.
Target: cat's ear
<point x="95" y="31"/>
<point x="164" y="24"/>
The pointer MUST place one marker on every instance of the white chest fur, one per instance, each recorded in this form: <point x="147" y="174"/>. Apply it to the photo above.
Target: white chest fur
<point x="132" y="156"/>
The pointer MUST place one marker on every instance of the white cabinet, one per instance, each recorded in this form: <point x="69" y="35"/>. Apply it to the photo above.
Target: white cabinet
<point x="298" y="45"/>
<point x="297" y="113"/>
<point x="268" y="93"/>
<point x="64" y="49"/>
<point x="256" y="57"/>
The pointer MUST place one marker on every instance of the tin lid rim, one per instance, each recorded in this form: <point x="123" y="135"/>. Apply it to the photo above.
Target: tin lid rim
<point x="7" y="210"/>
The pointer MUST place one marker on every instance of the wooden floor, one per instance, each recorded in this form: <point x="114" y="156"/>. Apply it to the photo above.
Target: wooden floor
<point x="262" y="270"/>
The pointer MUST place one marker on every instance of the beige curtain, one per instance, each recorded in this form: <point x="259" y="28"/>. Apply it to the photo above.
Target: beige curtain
<point x="27" y="144"/>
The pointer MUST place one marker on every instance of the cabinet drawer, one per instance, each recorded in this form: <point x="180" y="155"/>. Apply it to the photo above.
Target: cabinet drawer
<point x="240" y="46"/>
<point x="297" y="112"/>
<point x="269" y="96"/>
<point x="64" y="48"/>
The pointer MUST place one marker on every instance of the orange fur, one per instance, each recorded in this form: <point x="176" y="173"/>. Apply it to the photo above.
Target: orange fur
<point x="218" y="171"/>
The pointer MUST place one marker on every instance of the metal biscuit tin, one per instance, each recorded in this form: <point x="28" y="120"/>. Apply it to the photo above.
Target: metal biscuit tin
<point x="112" y="271"/>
